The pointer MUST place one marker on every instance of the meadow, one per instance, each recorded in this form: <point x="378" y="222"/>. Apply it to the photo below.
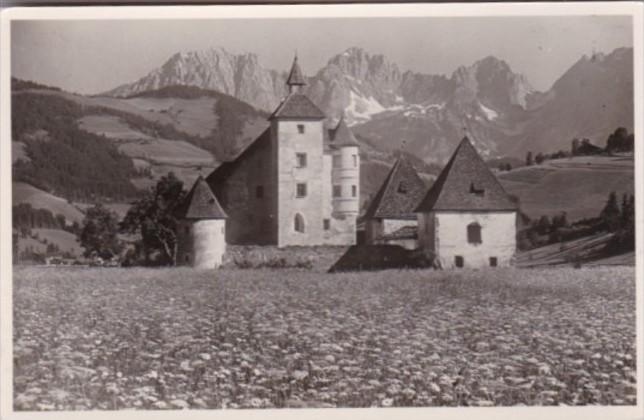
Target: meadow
<point x="91" y="338"/>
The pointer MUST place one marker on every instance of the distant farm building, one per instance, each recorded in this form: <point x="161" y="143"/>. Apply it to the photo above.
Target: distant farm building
<point x="201" y="230"/>
<point x="390" y="217"/>
<point x="298" y="183"/>
<point x="467" y="219"/>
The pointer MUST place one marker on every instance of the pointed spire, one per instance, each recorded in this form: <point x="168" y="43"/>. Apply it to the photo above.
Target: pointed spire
<point x="295" y="78"/>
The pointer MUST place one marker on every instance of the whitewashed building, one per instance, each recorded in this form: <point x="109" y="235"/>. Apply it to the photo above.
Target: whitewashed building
<point x="467" y="219"/>
<point x="201" y="230"/>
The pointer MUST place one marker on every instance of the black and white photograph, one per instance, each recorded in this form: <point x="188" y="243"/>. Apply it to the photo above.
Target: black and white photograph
<point x="290" y="210"/>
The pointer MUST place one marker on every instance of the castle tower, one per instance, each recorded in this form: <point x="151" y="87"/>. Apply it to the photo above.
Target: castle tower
<point x="345" y="173"/>
<point x="297" y="135"/>
<point x="201" y="231"/>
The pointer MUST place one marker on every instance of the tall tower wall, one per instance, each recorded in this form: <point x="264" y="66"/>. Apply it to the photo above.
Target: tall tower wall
<point x="201" y="243"/>
<point x="293" y="137"/>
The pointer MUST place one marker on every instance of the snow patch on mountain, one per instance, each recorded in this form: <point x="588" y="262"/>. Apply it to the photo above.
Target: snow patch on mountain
<point x="361" y="109"/>
<point x="490" y="114"/>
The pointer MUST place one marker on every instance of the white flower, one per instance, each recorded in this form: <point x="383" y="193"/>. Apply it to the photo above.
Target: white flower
<point x="387" y="402"/>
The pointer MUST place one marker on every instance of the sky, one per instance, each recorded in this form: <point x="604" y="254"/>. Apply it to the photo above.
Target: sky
<point x="93" y="56"/>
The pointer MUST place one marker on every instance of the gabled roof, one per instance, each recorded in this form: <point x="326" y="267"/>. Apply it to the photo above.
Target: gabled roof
<point x="399" y="195"/>
<point x="466" y="183"/>
<point x="295" y="77"/>
<point x="298" y="105"/>
<point x="341" y="135"/>
<point x="200" y="203"/>
<point x="225" y="169"/>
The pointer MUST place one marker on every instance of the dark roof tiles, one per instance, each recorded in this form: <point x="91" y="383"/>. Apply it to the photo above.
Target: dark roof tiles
<point x="341" y="135"/>
<point x="399" y="195"/>
<point x="466" y="184"/>
<point x="298" y="105"/>
<point x="200" y="203"/>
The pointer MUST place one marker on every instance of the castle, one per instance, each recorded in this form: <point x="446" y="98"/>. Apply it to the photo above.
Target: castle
<point x="298" y="183"/>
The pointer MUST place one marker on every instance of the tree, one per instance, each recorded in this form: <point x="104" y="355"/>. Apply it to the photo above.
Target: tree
<point x="152" y="218"/>
<point x="528" y="159"/>
<point x="560" y="221"/>
<point x="99" y="233"/>
<point x="539" y="159"/>
<point x="574" y="147"/>
<point x="610" y="214"/>
<point x="543" y="225"/>
<point x="620" y="141"/>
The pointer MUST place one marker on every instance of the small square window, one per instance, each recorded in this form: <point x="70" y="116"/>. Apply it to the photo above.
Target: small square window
<point x="402" y="187"/>
<point x="300" y="128"/>
<point x="354" y="191"/>
<point x="300" y="160"/>
<point x="459" y="262"/>
<point x="186" y="230"/>
<point x="187" y="258"/>
<point x="493" y="262"/>
<point x="337" y="161"/>
<point x="327" y="224"/>
<point x="259" y="191"/>
<point x="337" y="190"/>
<point x="301" y="190"/>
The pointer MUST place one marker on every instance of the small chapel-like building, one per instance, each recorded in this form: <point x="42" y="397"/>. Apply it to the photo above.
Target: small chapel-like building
<point x="467" y="219"/>
<point x="390" y="217"/>
<point x="201" y="228"/>
<point x="297" y="184"/>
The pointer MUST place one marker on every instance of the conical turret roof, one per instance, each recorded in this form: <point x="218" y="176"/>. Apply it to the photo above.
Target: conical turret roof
<point x="465" y="184"/>
<point x="200" y="203"/>
<point x="341" y="135"/>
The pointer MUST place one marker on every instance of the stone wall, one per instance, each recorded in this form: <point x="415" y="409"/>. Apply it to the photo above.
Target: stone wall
<point x="252" y="219"/>
<point x="315" y="258"/>
<point x="201" y="243"/>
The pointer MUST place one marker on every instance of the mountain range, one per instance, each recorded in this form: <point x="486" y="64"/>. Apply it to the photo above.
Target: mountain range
<point x="427" y="114"/>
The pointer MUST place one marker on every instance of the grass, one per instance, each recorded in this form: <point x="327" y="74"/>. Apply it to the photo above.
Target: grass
<point x="25" y="193"/>
<point x="578" y="186"/>
<point x="178" y="338"/>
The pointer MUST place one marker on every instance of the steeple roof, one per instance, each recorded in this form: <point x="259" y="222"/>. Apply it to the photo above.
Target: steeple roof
<point x="295" y="77"/>
<point x="399" y="195"/>
<point x="341" y="135"/>
<point x="465" y="184"/>
<point x="200" y="203"/>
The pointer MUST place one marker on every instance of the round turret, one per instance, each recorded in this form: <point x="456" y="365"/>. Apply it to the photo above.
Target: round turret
<point x="346" y="171"/>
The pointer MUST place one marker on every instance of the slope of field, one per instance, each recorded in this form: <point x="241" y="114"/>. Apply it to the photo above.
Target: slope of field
<point x="578" y="186"/>
<point x="65" y="241"/>
<point x="179" y="338"/>
<point x="25" y="193"/>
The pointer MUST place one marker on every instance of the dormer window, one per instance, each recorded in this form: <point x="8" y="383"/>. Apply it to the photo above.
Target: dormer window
<point x="474" y="189"/>
<point x="402" y="188"/>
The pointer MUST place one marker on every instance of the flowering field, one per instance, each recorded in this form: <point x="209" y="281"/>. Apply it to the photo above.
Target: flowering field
<point x="176" y="338"/>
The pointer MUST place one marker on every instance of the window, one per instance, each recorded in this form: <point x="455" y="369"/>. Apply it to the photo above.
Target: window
<point x="300" y="128"/>
<point x="476" y="190"/>
<point x="493" y="262"/>
<point x="223" y="230"/>
<point x="301" y="160"/>
<point x="187" y="258"/>
<point x="459" y="262"/>
<point x="474" y="233"/>
<point x="259" y="191"/>
<point x="301" y="190"/>
<point x="354" y="191"/>
<point x="187" y="230"/>
<point x="299" y="223"/>
<point x="402" y="187"/>
<point x="327" y="224"/>
<point x="337" y="190"/>
<point x="337" y="161"/>
<point x="355" y="161"/>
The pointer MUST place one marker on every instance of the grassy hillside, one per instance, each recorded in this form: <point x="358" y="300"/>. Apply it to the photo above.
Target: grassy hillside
<point x="578" y="186"/>
<point x="25" y="193"/>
